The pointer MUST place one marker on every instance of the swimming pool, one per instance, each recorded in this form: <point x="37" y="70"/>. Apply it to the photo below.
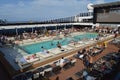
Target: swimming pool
<point x="34" y="48"/>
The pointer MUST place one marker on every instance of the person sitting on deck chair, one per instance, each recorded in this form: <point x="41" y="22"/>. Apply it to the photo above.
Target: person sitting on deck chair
<point x="80" y="55"/>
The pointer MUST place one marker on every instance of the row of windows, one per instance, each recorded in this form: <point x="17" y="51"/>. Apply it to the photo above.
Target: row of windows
<point x="108" y="10"/>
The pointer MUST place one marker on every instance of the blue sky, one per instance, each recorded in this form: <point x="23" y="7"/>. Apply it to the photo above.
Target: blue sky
<point x="38" y="10"/>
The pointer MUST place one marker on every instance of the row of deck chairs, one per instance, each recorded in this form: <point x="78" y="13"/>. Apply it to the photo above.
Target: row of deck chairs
<point x="97" y="51"/>
<point x="105" y="66"/>
<point x="43" y="73"/>
<point x="94" y="51"/>
<point x="108" y="65"/>
<point x="116" y="42"/>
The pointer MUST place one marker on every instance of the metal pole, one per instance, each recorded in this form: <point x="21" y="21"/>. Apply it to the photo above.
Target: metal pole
<point x="16" y="31"/>
<point x="65" y="27"/>
<point x="32" y="29"/>
<point x="56" y="27"/>
<point x="45" y="30"/>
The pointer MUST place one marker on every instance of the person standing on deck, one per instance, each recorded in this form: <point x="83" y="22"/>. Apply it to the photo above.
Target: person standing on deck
<point x="115" y="35"/>
<point x="105" y="44"/>
<point x="62" y="61"/>
<point x="86" y="61"/>
<point x="90" y="62"/>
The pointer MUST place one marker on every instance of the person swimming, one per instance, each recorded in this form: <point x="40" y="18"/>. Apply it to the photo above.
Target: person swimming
<point x="58" y="44"/>
<point x="52" y="44"/>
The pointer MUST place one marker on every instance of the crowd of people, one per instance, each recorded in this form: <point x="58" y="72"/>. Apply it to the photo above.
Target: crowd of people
<point x="65" y="32"/>
<point x="106" y="30"/>
<point x="98" y="69"/>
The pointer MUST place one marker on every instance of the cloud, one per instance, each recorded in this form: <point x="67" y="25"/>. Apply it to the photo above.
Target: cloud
<point x="42" y="9"/>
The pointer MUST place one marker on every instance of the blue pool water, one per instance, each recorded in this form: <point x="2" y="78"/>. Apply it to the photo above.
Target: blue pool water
<point x="34" y="48"/>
